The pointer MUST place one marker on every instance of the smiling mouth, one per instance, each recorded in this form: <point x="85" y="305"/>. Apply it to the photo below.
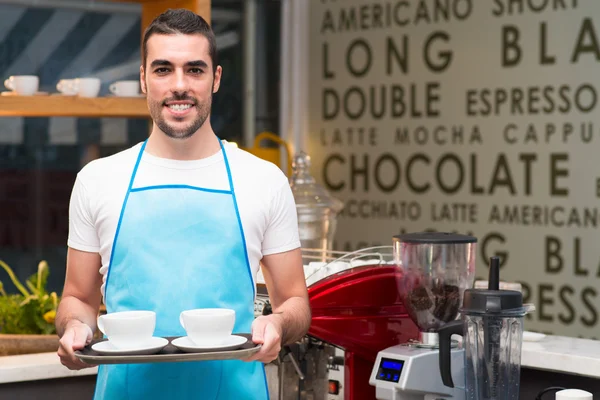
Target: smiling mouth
<point x="179" y="107"/>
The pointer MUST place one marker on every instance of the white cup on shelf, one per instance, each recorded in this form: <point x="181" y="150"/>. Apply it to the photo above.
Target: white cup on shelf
<point x="125" y="88"/>
<point x="23" y="85"/>
<point x="67" y="87"/>
<point x="87" y="87"/>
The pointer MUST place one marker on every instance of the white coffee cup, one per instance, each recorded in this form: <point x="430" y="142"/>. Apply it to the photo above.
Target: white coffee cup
<point x="125" y="88"/>
<point x="87" y="87"/>
<point x="24" y="85"/>
<point x="128" y="329"/>
<point x="208" y="325"/>
<point x="67" y="87"/>
<point x="572" y="394"/>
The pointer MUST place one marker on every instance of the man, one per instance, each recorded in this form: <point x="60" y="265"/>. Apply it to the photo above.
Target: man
<point x="179" y="222"/>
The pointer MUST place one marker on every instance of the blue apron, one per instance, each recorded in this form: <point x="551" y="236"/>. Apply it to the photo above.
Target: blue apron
<point x="176" y="248"/>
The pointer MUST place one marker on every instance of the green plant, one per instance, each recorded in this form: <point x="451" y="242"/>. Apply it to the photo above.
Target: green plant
<point x="33" y="310"/>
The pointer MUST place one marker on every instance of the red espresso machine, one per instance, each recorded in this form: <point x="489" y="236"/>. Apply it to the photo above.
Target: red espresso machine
<point x="359" y="299"/>
<point x="362" y="309"/>
<point x="359" y="310"/>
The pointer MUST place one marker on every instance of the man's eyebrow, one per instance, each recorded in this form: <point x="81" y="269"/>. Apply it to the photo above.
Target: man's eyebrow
<point x="197" y="63"/>
<point x="160" y="63"/>
<point x="167" y="63"/>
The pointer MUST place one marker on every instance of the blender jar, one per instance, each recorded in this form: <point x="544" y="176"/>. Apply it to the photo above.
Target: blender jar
<point x="437" y="267"/>
<point x="492" y="330"/>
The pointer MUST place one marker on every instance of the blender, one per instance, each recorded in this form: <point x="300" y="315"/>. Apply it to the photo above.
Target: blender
<point x="435" y="270"/>
<point x="492" y="330"/>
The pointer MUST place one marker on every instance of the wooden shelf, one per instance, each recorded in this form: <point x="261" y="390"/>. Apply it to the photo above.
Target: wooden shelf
<point x="72" y="106"/>
<point x="152" y="8"/>
<point x="63" y="106"/>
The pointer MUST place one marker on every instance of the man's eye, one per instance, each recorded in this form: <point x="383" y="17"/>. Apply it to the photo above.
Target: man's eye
<point x="161" y="70"/>
<point x="195" y="70"/>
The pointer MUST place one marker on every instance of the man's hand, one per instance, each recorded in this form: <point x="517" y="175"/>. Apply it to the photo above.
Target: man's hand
<point x="78" y="308"/>
<point x="77" y="335"/>
<point x="268" y="331"/>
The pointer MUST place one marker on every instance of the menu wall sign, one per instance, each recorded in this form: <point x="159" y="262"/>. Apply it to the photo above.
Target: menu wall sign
<point x="479" y="117"/>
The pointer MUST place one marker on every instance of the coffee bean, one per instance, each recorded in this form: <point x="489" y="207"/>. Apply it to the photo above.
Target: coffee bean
<point x="432" y="305"/>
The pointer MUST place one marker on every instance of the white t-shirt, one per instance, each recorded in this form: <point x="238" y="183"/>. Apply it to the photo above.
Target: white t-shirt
<point x="265" y="201"/>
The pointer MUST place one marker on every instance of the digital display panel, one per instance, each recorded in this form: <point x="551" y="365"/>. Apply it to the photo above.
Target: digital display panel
<point x="389" y="364"/>
<point x="390" y="370"/>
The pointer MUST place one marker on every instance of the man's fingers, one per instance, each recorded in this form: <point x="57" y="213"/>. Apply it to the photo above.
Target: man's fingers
<point x="66" y="342"/>
<point x="258" y="330"/>
<point x="75" y="363"/>
<point x="271" y="335"/>
<point x="69" y="360"/>
<point x="80" y="338"/>
<point x="271" y="343"/>
<point x="74" y="338"/>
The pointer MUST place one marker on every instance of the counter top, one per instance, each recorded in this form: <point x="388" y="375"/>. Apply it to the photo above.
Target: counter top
<point x="563" y="354"/>
<point x="33" y="367"/>
<point x="552" y="353"/>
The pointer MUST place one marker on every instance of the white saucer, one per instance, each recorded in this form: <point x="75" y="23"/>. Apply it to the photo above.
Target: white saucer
<point x="184" y="343"/>
<point x="153" y="346"/>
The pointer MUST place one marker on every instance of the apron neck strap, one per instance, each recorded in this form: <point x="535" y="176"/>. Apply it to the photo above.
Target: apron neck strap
<point x="137" y="165"/>
<point x="139" y="158"/>
<point x="226" y="165"/>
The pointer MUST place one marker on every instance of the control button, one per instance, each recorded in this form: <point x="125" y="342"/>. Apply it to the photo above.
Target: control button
<point x="334" y="387"/>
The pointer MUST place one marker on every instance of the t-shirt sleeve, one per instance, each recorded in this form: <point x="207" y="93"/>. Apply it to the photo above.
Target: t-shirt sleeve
<point x="282" y="230"/>
<point x="82" y="233"/>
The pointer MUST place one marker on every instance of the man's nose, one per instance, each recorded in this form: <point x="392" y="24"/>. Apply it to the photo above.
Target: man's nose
<point x="180" y="83"/>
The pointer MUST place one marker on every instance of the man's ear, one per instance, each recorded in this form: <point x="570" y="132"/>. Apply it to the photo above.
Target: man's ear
<point x="217" y="80"/>
<point x="142" y="79"/>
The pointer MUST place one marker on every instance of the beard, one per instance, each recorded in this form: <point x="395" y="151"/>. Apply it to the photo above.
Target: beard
<point x="202" y="113"/>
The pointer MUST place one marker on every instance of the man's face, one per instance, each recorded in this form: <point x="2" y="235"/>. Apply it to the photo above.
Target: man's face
<point x="178" y="81"/>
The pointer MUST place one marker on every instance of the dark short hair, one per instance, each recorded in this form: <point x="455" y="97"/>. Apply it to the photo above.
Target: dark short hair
<point x="181" y="21"/>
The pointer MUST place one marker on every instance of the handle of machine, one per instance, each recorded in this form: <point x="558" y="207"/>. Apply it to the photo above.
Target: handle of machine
<point x="445" y="335"/>
<point x="288" y="353"/>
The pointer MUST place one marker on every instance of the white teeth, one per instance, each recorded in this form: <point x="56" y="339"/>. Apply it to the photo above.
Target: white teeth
<point x="179" y="107"/>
